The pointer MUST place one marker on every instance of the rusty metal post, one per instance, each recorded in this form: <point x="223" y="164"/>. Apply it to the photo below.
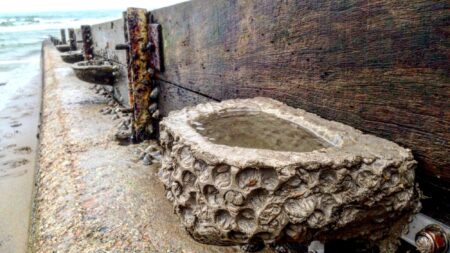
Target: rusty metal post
<point x="143" y="45"/>
<point x="63" y="36"/>
<point x="139" y="78"/>
<point x="72" y="39"/>
<point x="87" y="42"/>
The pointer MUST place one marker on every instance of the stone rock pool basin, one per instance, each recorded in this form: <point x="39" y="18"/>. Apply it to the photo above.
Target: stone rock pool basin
<point x="256" y="170"/>
<point x="96" y="71"/>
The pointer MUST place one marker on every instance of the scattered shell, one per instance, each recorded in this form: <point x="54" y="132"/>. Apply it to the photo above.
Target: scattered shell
<point x="154" y="94"/>
<point x="147" y="159"/>
<point x="152" y="108"/>
<point x="156" y="114"/>
<point x="122" y="135"/>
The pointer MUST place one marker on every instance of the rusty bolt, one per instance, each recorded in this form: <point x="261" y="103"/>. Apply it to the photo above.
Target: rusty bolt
<point x="432" y="239"/>
<point x="122" y="47"/>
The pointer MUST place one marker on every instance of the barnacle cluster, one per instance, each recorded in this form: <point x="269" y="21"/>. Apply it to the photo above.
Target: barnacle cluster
<point x="362" y="187"/>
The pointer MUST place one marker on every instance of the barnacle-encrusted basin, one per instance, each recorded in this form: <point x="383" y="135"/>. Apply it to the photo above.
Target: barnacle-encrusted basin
<point x="96" y="71"/>
<point x="63" y="48"/>
<point x="72" y="56"/>
<point x="256" y="169"/>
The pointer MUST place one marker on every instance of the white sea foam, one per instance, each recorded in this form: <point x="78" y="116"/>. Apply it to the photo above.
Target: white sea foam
<point x="20" y="37"/>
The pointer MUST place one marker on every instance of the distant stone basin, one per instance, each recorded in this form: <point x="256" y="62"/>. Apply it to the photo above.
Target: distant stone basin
<point x="251" y="170"/>
<point x="63" y="48"/>
<point x="72" y="56"/>
<point x="96" y="71"/>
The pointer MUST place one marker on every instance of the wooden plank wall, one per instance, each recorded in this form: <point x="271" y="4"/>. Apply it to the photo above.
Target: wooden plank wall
<point x="105" y="37"/>
<point x="379" y="66"/>
<point x="78" y="38"/>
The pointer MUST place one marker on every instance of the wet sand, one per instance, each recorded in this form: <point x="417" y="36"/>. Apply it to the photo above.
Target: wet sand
<point x="18" y="144"/>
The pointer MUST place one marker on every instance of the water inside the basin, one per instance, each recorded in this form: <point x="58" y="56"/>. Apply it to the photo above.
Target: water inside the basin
<point x="257" y="130"/>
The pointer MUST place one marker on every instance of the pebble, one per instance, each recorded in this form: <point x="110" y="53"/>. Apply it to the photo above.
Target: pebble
<point x="147" y="159"/>
<point x="124" y="127"/>
<point x="106" y="111"/>
<point x="155" y="115"/>
<point x="152" y="108"/>
<point x="154" y="93"/>
<point x="115" y="117"/>
<point x="122" y="135"/>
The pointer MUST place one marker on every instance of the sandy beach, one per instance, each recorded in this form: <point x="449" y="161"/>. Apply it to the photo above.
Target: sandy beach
<point x="18" y="144"/>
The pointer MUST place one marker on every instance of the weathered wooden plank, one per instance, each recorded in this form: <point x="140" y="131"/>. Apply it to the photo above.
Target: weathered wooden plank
<point x="380" y="66"/>
<point x="172" y="97"/>
<point x="79" y="38"/>
<point x="105" y="37"/>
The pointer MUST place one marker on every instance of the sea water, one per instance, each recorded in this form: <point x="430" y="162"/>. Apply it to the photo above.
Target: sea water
<point x="21" y="36"/>
<point x="258" y="130"/>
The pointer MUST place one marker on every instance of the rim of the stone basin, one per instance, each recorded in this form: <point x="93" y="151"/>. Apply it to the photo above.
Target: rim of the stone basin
<point x="98" y="64"/>
<point x="69" y="53"/>
<point x="348" y="146"/>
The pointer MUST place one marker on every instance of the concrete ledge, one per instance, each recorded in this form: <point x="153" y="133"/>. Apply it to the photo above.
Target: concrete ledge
<point x="92" y="194"/>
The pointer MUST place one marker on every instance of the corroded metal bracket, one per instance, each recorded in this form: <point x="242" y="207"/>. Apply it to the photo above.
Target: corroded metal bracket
<point x="72" y="39"/>
<point x="154" y="46"/>
<point x="63" y="36"/>
<point x="142" y="42"/>
<point x="87" y="42"/>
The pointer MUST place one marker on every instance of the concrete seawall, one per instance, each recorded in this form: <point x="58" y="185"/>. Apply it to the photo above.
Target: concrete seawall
<point x="94" y="195"/>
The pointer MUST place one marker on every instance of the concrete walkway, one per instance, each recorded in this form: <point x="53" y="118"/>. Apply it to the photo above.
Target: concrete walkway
<point x="93" y="194"/>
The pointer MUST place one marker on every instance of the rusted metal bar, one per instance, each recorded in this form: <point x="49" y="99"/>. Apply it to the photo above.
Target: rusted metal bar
<point x="72" y="39"/>
<point x="63" y="36"/>
<point x="154" y="49"/>
<point x="140" y="83"/>
<point x="87" y="42"/>
<point x="154" y="46"/>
